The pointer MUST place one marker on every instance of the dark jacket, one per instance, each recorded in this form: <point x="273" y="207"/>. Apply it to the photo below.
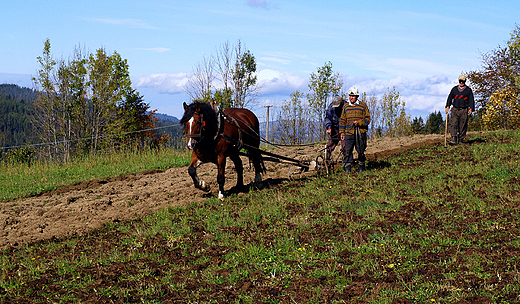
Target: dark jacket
<point x="331" y="118"/>
<point x="462" y="99"/>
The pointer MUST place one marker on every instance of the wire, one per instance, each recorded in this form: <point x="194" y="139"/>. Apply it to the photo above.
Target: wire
<point x="85" y="138"/>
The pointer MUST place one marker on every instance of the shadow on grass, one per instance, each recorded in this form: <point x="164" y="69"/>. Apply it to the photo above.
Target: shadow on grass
<point x="378" y="164"/>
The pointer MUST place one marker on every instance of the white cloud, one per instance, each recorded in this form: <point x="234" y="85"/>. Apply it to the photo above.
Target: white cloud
<point x="425" y="95"/>
<point x="163" y="83"/>
<point x="407" y="67"/>
<point x="422" y="96"/>
<point x="275" y="82"/>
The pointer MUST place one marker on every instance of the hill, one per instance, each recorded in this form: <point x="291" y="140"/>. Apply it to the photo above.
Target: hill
<point x="433" y="224"/>
<point x="16" y="116"/>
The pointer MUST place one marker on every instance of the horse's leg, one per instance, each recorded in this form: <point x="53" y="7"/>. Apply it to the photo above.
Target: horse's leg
<point x="259" y="168"/>
<point x="240" y="170"/>
<point x="192" y="171"/>
<point x="221" y="178"/>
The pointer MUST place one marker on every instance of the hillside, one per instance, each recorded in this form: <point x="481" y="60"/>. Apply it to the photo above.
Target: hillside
<point x="16" y="113"/>
<point x="16" y="116"/>
<point x="89" y="205"/>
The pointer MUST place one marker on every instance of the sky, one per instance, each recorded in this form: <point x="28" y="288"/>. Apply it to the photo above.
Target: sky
<point x="418" y="47"/>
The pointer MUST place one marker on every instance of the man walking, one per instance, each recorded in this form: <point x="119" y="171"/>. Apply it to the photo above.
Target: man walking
<point x="461" y="98"/>
<point x="353" y="127"/>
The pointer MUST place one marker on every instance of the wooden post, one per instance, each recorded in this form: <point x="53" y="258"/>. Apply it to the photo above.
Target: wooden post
<point x="446" y="129"/>
<point x="267" y="125"/>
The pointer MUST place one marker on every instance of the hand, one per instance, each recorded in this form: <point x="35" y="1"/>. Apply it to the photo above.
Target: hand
<point x="343" y="137"/>
<point x="470" y="111"/>
<point x="329" y="131"/>
<point x="355" y="123"/>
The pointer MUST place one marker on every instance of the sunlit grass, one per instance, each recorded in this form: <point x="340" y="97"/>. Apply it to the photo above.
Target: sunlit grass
<point x="22" y="180"/>
<point x="437" y="225"/>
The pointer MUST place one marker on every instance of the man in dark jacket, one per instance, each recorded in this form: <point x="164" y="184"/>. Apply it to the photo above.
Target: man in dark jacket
<point x="332" y="116"/>
<point x="461" y="98"/>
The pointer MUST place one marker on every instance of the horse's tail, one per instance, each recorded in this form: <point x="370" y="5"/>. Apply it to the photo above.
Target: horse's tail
<point x="255" y="156"/>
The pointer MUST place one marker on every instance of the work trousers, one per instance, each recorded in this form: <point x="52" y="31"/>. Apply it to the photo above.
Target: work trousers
<point x="348" y="146"/>
<point x="334" y="139"/>
<point x="459" y="123"/>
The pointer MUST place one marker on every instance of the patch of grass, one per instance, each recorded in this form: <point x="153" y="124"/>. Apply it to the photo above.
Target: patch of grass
<point x="440" y="224"/>
<point x="22" y="180"/>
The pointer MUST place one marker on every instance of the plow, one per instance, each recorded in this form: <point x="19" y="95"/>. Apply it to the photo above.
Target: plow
<point x="321" y="164"/>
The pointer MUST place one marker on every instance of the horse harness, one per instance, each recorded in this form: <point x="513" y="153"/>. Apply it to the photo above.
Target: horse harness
<point x="221" y="118"/>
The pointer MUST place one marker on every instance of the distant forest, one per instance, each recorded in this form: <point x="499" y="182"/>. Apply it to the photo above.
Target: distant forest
<point x="16" y="113"/>
<point x="16" y="119"/>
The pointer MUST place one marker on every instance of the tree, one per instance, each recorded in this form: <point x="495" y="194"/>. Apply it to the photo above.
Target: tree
<point x="88" y="97"/>
<point x="497" y="84"/>
<point x="45" y="104"/>
<point x="418" y="125"/>
<point x="323" y="85"/>
<point x="227" y="79"/>
<point x="136" y="123"/>
<point x="434" y="124"/>
<point x="374" y="108"/>
<point x="200" y="84"/>
<point x="503" y="110"/>
<point x="244" y="78"/>
<point x="109" y="82"/>
<point x="72" y="105"/>
<point x="293" y="123"/>
<point x="395" y="121"/>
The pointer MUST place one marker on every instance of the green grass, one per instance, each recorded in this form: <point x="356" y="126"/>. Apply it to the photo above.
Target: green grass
<point x="21" y="180"/>
<point x="431" y="225"/>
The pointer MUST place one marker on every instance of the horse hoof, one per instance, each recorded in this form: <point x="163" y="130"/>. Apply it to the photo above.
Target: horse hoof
<point x="220" y="196"/>
<point x="204" y="187"/>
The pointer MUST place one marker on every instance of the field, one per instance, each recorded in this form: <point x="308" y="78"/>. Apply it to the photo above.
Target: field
<point x="426" y="224"/>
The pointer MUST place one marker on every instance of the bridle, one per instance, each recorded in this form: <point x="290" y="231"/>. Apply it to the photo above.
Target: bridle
<point x="202" y="124"/>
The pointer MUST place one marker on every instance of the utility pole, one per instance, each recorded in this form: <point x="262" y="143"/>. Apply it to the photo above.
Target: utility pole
<point x="267" y="126"/>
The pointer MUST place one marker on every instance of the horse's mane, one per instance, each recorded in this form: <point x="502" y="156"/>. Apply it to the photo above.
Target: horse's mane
<point x="209" y="115"/>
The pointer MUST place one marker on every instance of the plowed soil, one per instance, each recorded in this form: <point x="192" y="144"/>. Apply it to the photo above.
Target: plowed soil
<point x="80" y="208"/>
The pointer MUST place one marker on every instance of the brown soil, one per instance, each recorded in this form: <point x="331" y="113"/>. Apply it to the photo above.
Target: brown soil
<point x="80" y="208"/>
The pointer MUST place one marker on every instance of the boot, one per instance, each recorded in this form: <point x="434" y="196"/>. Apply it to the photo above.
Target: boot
<point x="347" y="168"/>
<point x="454" y="141"/>
<point x="362" y="167"/>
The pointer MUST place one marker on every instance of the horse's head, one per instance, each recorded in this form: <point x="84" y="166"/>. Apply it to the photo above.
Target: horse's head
<point x="193" y="121"/>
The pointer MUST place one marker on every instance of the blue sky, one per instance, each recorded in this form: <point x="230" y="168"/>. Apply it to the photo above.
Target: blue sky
<point x="420" y="47"/>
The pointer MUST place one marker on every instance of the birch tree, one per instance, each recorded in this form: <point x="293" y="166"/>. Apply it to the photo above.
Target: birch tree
<point x="323" y="85"/>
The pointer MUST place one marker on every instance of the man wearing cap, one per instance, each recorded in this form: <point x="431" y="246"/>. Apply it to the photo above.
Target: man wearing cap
<point x="332" y="116"/>
<point x="353" y="127"/>
<point x="461" y="98"/>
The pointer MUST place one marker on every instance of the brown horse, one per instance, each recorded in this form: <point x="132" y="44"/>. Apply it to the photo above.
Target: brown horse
<point x="214" y="136"/>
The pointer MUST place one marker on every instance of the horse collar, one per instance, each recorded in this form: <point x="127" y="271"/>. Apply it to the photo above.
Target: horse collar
<point x="220" y="126"/>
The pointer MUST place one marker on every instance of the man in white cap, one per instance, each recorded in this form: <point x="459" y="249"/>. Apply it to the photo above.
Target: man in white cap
<point x="461" y="98"/>
<point x="332" y="116"/>
<point x="353" y="127"/>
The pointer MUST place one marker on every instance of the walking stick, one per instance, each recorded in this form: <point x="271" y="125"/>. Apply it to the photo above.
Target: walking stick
<point x="446" y="129"/>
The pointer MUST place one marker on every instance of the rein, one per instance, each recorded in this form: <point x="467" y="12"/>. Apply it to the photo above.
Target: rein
<point x="200" y="122"/>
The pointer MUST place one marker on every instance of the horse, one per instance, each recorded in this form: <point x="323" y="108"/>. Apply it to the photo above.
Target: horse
<point x="213" y="136"/>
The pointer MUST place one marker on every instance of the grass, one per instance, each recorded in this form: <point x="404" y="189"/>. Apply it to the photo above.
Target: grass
<point x="22" y="180"/>
<point x="431" y="225"/>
